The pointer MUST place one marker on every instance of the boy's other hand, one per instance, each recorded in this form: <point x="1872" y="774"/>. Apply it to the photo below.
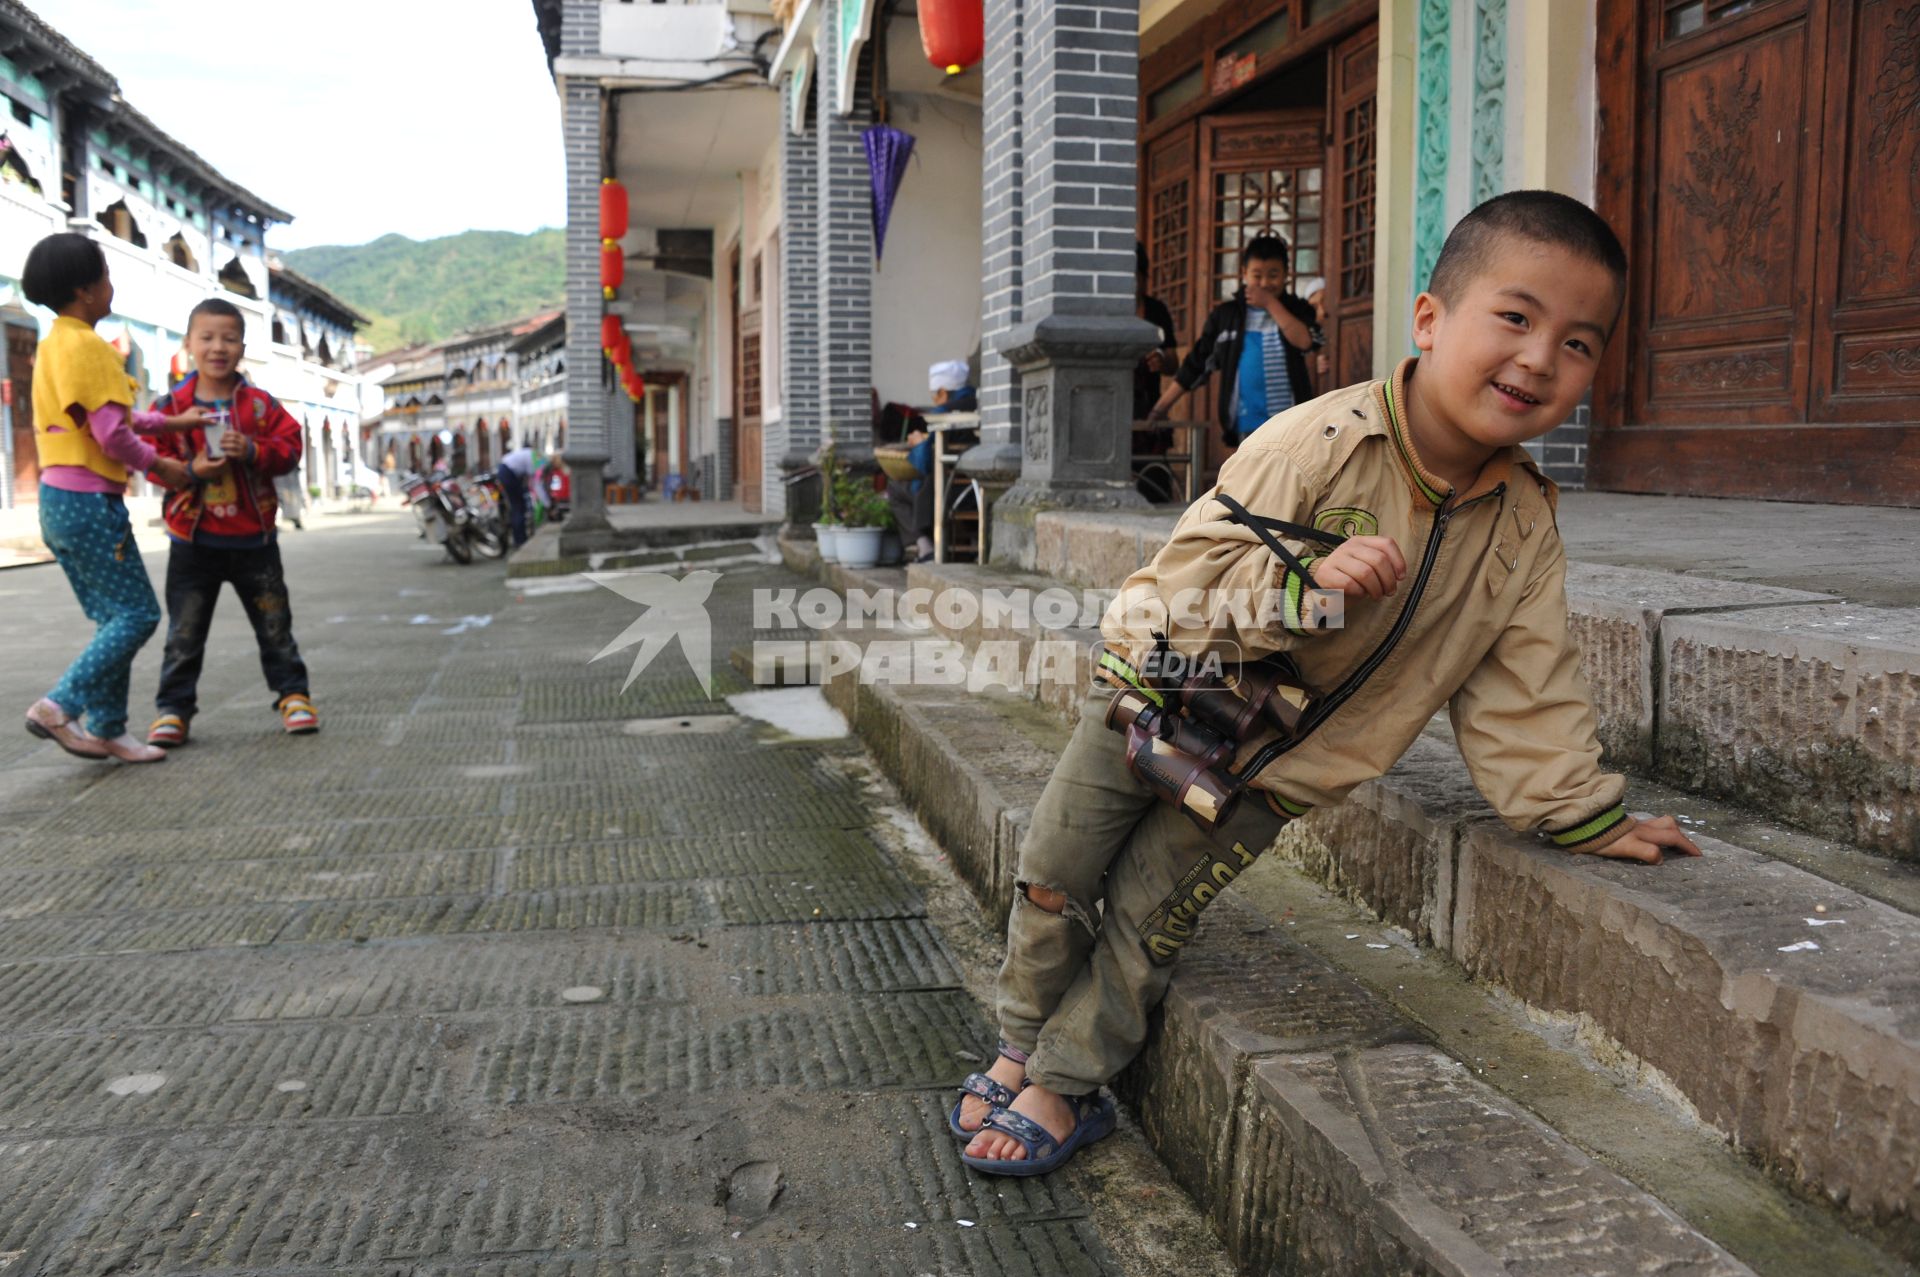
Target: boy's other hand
<point x="1644" y="839"/>
<point x="236" y="445"/>
<point x="1372" y="566"/>
<point x="172" y="473"/>
<point x="205" y="467"/>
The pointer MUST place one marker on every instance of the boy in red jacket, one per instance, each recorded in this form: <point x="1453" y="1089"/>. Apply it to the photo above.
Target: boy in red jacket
<point x="222" y="526"/>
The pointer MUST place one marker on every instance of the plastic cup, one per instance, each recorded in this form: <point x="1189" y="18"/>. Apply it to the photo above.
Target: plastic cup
<point x="215" y="427"/>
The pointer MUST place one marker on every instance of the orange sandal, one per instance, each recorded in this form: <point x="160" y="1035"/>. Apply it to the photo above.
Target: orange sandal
<point x="168" y="731"/>
<point x="297" y="715"/>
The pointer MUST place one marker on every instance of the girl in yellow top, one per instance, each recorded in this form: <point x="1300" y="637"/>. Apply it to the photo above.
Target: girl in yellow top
<point x="83" y="431"/>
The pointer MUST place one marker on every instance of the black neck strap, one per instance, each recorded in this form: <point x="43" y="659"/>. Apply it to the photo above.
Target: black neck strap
<point x="1264" y="528"/>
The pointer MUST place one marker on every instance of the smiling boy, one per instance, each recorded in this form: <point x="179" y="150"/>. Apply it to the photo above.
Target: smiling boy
<point x="221" y="529"/>
<point x="1444" y="548"/>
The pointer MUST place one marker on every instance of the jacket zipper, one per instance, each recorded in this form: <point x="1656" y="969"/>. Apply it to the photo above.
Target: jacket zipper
<point x="1340" y="695"/>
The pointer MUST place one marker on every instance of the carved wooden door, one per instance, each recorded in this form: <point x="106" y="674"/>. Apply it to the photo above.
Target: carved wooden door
<point x="1776" y="254"/>
<point x="1352" y="75"/>
<point x="1866" y="347"/>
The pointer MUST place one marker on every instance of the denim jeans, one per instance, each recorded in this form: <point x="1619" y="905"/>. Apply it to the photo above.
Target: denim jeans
<point x="92" y="540"/>
<point x="513" y="486"/>
<point x="195" y="574"/>
<point x="1077" y="987"/>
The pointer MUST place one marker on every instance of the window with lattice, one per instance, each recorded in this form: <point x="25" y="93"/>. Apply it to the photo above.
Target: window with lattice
<point x="1357" y="194"/>
<point x="1248" y="203"/>
<point x="1170" y="249"/>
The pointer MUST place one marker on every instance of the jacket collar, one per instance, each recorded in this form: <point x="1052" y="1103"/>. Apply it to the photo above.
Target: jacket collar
<point x="1427" y="486"/>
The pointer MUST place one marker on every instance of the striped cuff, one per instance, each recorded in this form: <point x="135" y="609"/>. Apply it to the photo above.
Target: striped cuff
<point x="1122" y="674"/>
<point x="1292" y="591"/>
<point x="1595" y="833"/>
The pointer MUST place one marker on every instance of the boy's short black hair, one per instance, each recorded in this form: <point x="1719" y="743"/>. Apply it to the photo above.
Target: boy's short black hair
<point x="217" y="306"/>
<point x="1265" y="248"/>
<point x="1545" y="217"/>
<point x="60" y="266"/>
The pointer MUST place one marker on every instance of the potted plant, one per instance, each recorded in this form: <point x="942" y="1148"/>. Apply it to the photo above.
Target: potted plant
<point x="867" y="520"/>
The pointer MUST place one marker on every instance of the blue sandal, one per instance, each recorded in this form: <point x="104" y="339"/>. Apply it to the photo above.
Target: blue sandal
<point x="981" y="1087"/>
<point x="1093" y="1120"/>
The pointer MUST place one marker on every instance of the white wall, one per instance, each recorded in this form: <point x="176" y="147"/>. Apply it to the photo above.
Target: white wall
<point x="926" y="293"/>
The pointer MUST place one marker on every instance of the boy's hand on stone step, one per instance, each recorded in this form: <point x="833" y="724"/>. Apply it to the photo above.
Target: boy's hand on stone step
<point x="1644" y="840"/>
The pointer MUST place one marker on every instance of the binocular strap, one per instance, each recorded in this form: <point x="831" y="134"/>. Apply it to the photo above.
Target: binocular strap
<point x="1165" y="931"/>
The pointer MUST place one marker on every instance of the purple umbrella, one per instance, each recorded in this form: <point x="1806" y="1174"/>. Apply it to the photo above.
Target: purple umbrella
<point x="887" y="152"/>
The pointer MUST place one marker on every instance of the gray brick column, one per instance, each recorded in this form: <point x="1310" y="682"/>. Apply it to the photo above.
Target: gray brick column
<point x="844" y="252"/>
<point x="586" y="452"/>
<point x="997" y="458"/>
<point x="1075" y="338"/>
<point x="792" y="444"/>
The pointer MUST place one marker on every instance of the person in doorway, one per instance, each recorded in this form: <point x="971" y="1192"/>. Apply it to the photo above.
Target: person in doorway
<point x="1257" y="344"/>
<point x="1426" y="467"/>
<point x="515" y="475"/>
<point x="950" y="386"/>
<point x="84" y="436"/>
<point x="222" y="529"/>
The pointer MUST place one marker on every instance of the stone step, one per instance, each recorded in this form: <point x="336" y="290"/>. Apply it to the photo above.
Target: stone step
<point x="1805" y="1057"/>
<point x="1787" y="701"/>
<point x="1319" y="1123"/>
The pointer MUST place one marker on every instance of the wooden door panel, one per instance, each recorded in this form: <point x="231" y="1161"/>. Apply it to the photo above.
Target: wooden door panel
<point x="1867" y="332"/>
<point x="1731" y="233"/>
<point x="1351" y="169"/>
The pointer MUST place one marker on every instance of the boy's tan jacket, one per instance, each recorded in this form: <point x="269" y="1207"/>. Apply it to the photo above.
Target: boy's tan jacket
<point x="1488" y="639"/>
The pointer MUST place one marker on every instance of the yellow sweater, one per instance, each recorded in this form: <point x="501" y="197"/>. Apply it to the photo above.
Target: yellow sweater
<point x="75" y="367"/>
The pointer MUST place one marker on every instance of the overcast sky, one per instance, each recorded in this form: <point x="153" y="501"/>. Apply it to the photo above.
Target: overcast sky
<point x="359" y="117"/>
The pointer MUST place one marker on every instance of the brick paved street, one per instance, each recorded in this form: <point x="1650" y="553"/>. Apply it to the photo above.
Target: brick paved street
<point x="488" y="977"/>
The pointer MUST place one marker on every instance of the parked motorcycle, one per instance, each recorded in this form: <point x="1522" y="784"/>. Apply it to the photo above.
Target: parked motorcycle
<point x="487" y="514"/>
<point x="444" y="514"/>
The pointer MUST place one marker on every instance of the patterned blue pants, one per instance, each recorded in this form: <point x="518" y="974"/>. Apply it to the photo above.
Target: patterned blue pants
<point x="92" y="538"/>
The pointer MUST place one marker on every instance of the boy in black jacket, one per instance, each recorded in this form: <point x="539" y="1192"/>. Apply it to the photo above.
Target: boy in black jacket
<point x="1258" y="342"/>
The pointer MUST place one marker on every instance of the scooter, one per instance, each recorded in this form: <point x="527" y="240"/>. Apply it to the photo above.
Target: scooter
<point x="442" y="513"/>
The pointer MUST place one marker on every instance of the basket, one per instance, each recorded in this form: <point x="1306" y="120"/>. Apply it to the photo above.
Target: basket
<point x="894" y="461"/>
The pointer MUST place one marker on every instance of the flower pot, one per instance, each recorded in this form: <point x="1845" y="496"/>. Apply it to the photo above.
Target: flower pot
<point x="828" y="537"/>
<point x="860" y="547"/>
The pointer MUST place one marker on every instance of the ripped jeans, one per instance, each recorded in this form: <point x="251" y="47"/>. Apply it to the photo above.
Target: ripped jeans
<point x="1077" y="986"/>
<point x="195" y="574"/>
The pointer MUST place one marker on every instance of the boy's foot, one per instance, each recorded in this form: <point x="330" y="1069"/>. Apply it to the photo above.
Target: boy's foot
<point x="1039" y="1135"/>
<point x="297" y="714"/>
<point x="168" y="731"/>
<point x="128" y="750"/>
<point x="1049" y="1109"/>
<point x="49" y="722"/>
<point x="1008" y="1073"/>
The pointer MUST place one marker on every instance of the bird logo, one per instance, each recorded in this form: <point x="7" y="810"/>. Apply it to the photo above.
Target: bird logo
<point x="676" y="608"/>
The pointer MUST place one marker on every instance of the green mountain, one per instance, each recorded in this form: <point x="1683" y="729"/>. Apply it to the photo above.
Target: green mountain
<point x="424" y="290"/>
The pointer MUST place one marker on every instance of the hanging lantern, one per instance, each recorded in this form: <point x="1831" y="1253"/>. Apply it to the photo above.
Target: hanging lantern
<point x="613" y="268"/>
<point x="613" y="209"/>
<point x="611" y="331"/>
<point x="953" y="33"/>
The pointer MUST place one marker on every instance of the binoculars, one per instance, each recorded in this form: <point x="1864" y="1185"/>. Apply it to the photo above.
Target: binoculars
<point x="1181" y="748"/>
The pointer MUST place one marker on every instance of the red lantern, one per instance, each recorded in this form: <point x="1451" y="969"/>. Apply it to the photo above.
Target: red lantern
<point x="611" y="331"/>
<point x="613" y="268"/>
<point x="613" y="209"/>
<point x="953" y="33"/>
